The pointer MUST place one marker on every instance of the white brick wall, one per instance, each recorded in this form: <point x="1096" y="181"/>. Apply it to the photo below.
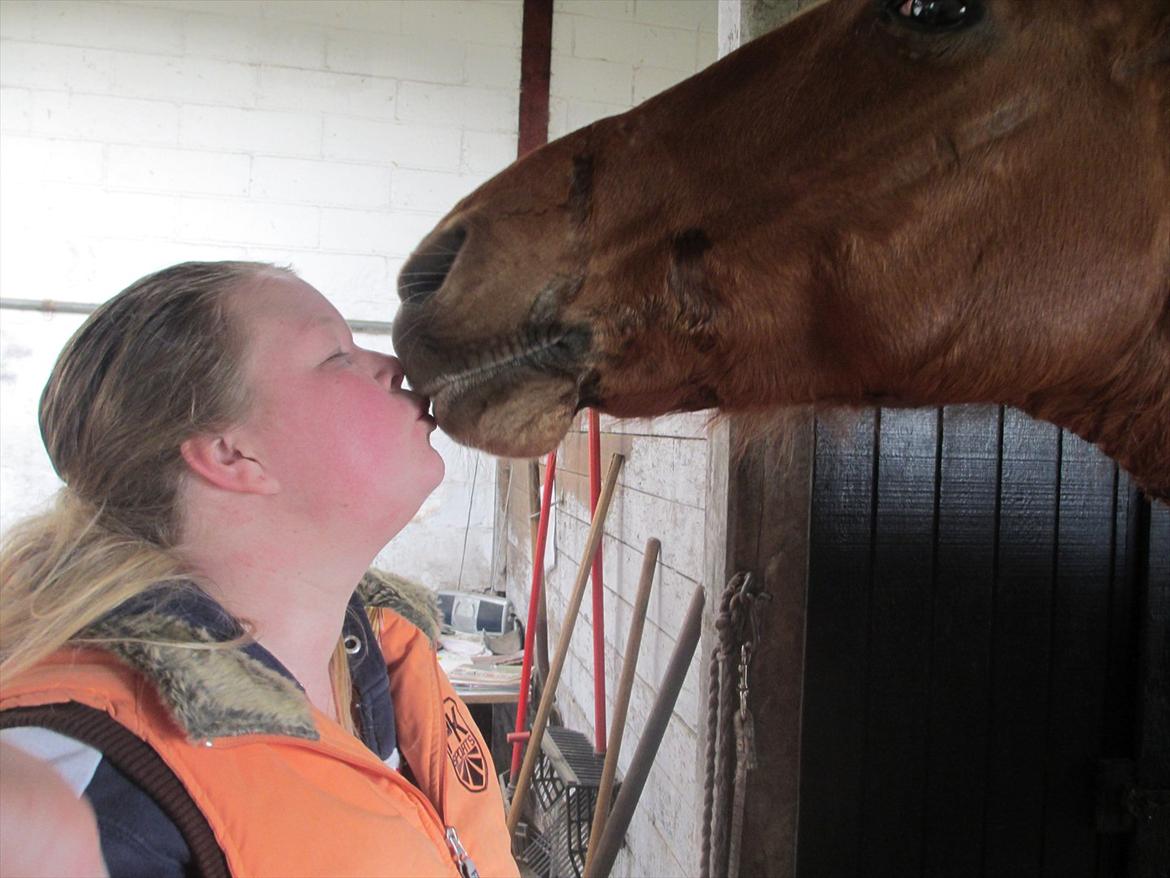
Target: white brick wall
<point x="329" y="135"/>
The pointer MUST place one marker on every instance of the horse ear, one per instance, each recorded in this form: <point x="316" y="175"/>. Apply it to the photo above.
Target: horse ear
<point x="219" y="461"/>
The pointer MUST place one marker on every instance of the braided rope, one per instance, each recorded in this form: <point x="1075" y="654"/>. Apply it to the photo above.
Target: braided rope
<point x="720" y="761"/>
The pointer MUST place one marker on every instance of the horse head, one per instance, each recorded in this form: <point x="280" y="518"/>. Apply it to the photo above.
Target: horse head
<point x="905" y="202"/>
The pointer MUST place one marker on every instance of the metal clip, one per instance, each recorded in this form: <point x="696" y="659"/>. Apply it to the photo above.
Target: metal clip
<point x="745" y="660"/>
<point x="459" y="854"/>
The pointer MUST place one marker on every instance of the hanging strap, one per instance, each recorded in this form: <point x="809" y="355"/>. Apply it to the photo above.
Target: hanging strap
<point x="142" y="766"/>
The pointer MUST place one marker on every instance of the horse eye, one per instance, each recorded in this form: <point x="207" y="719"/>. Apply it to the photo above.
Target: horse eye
<point x="935" y="14"/>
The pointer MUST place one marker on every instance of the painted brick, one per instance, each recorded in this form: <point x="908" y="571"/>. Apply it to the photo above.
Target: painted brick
<point x="360" y="286"/>
<point x="242" y="130"/>
<point x="460" y="106"/>
<point x="622" y="565"/>
<point x="395" y="56"/>
<point x="15" y="109"/>
<point x="30" y="161"/>
<point x="621" y="10"/>
<point x="581" y="113"/>
<point x="686" y="424"/>
<point x="246" y="222"/>
<point x="109" y="26"/>
<point x="707" y="49"/>
<point x="42" y="65"/>
<point x="684" y="482"/>
<point x="283" y="88"/>
<point x="29" y="344"/>
<point x="360" y="15"/>
<point x="195" y="80"/>
<point x="132" y="214"/>
<point x="245" y="9"/>
<point x="120" y="261"/>
<point x="177" y="170"/>
<point x="562" y="32"/>
<point x="492" y="66"/>
<point x="465" y="21"/>
<point x="667" y="47"/>
<point x="408" y="146"/>
<point x="78" y="213"/>
<point x="111" y="119"/>
<point x="486" y="153"/>
<point x="692" y="15"/>
<point x="18" y="19"/>
<point x="558" y="116"/>
<point x="604" y="39"/>
<point x="367" y="231"/>
<point x="649" y="81"/>
<point x="278" y="43"/>
<point x="316" y="182"/>
<point x="591" y="80"/>
<point x="428" y="190"/>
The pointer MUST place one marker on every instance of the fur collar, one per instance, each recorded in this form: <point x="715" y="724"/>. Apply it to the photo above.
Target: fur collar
<point x="214" y="691"/>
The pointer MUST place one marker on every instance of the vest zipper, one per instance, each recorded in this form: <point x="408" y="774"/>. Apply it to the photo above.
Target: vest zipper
<point x="459" y="854"/>
<point x="463" y="861"/>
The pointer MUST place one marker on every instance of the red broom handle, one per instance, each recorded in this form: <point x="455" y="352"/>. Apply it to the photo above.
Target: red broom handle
<point x="550" y="470"/>
<point x="598" y="589"/>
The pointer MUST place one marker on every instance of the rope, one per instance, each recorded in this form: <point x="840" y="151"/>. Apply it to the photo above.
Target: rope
<point x="725" y="782"/>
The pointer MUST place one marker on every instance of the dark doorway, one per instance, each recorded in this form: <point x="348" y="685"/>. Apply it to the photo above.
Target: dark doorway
<point x="985" y="654"/>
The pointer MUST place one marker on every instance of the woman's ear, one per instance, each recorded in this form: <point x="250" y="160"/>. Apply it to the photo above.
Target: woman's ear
<point x="219" y="461"/>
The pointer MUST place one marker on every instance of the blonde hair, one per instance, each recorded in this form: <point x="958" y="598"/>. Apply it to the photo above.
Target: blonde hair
<point x="158" y="363"/>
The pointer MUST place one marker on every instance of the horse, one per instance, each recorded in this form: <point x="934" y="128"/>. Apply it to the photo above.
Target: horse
<point x="894" y="202"/>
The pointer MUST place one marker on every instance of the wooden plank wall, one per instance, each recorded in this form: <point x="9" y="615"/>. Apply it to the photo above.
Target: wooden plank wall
<point x="661" y="493"/>
<point x="971" y="646"/>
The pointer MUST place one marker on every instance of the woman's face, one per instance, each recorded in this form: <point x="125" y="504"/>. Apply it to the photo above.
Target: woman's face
<point x="332" y="424"/>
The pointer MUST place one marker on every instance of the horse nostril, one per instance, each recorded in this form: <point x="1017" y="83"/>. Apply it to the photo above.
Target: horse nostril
<point x="425" y="271"/>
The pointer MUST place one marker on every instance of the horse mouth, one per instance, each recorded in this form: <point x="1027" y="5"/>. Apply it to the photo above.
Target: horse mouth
<point x="517" y="398"/>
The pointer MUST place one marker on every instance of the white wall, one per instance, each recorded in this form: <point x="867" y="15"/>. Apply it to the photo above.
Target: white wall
<point x="328" y="135"/>
<point x="609" y="55"/>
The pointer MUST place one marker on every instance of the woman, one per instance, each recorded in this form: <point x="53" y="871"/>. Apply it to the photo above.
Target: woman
<point x="232" y="464"/>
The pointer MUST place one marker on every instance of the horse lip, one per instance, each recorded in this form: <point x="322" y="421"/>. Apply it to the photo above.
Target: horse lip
<point x="473" y="377"/>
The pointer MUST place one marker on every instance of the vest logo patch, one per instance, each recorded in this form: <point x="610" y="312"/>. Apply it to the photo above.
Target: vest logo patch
<point x="467" y="757"/>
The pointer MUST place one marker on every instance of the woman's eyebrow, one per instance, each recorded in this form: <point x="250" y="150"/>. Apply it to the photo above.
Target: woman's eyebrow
<point x="313" y="324"/>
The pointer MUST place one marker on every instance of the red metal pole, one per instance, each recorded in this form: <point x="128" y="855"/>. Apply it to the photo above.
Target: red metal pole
<point x="598" y="589"/>
<point x="520" y="736"/>
<point x="535" y="72"/>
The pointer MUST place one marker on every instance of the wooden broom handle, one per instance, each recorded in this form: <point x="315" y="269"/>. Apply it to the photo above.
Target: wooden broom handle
<point x="625" y="686"/>
<point x="554" y="672"/>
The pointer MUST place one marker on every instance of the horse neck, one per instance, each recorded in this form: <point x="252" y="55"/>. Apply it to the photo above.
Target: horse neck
<point x="1127" y="416"/>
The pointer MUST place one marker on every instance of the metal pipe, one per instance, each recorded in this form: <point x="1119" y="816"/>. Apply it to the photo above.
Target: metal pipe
<point x="621" y="706"/>
<point x="643" y="759"/>
<point x="554" y="673"/>
<point x="52" y="306"/>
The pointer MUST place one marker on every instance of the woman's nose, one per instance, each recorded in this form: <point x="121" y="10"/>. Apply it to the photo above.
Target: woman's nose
<point x="388" y="370"/>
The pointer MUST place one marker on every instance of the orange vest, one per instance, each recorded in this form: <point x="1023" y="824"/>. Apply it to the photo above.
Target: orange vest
<point x="286" y="806"/>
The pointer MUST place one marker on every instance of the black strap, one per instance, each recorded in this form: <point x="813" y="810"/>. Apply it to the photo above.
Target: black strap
<point x="140" y="763"/>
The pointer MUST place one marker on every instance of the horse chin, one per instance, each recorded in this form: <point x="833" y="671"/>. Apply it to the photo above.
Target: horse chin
<point x="511" y="417"/>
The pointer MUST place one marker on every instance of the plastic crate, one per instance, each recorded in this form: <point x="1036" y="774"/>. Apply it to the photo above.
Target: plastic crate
<point x="564" y="786"/>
